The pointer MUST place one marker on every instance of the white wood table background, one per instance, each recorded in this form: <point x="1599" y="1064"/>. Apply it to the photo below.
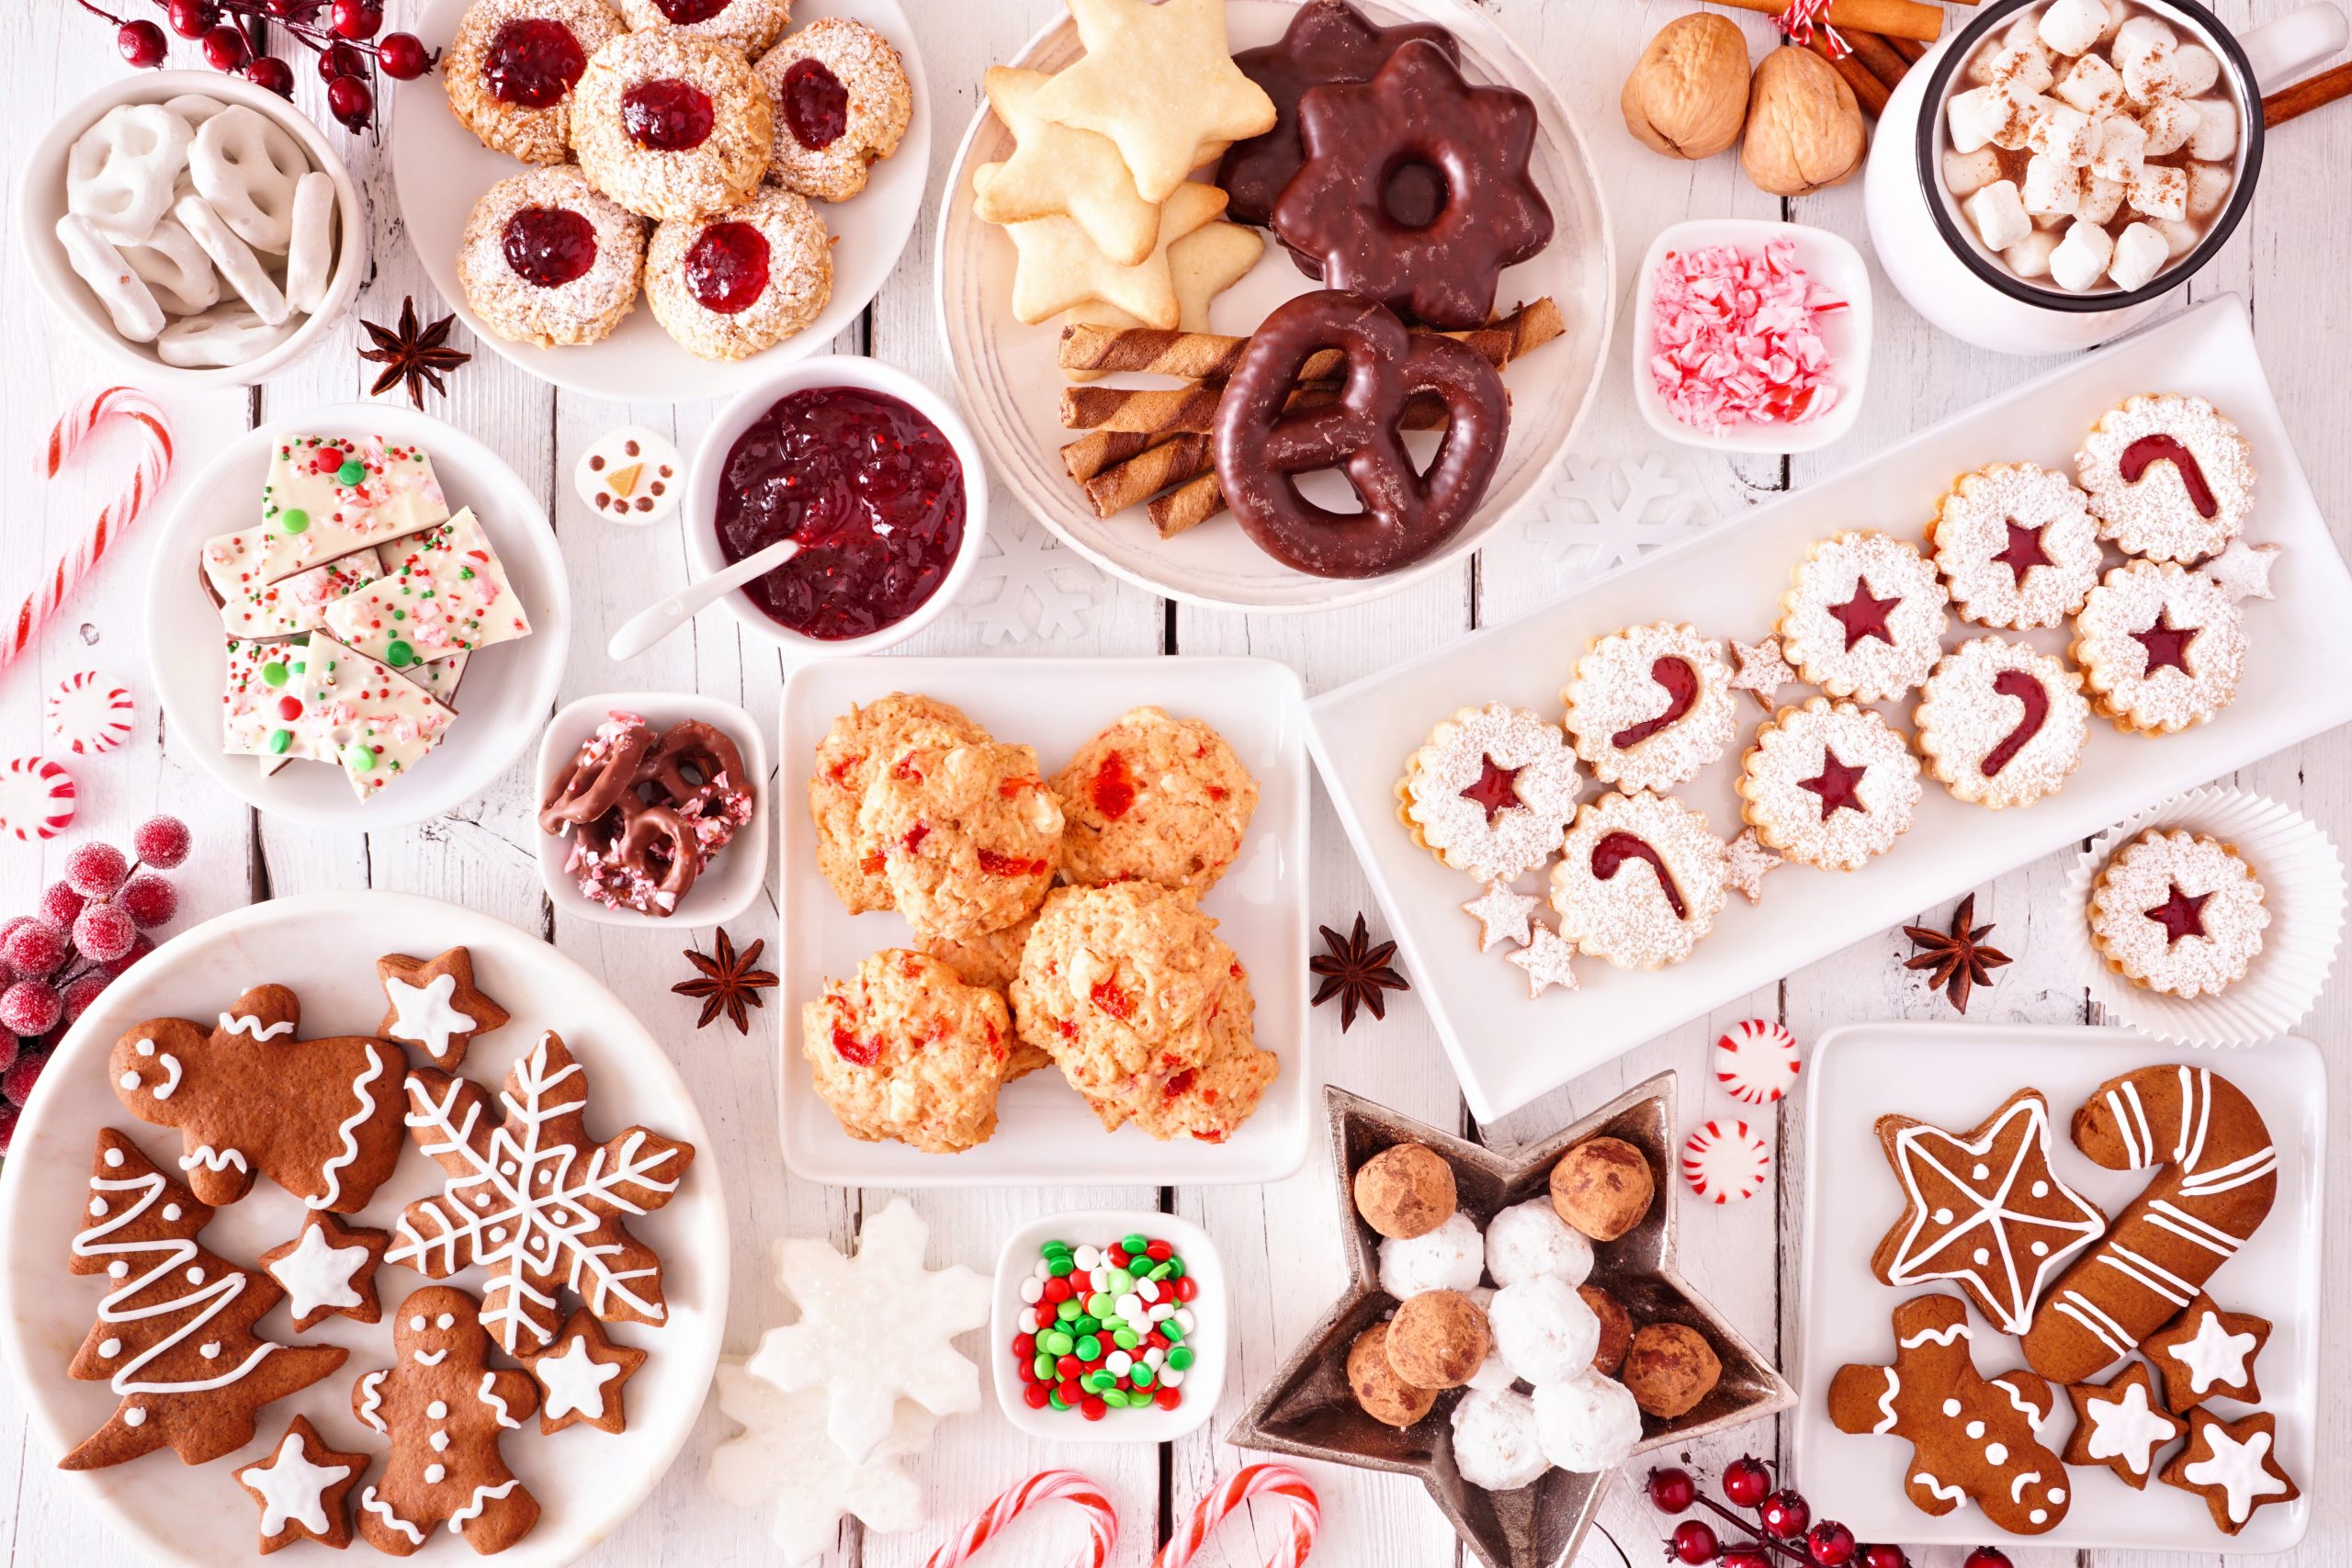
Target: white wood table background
<point x="2289" y="259"/>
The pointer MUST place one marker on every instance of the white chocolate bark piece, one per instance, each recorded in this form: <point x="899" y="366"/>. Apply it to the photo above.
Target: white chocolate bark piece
<point x="295" y="604"/>
<point x="325" y="498"/>
<point x="375" y="725"/>
<point x="443" y="592"/>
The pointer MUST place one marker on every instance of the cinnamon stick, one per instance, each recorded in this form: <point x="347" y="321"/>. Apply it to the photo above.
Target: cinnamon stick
<point x="2311" y="93"/>
<point x="1878" y="57"/>
<point x="1910" y="49"/>
<point x="1869" y="91"/>
<point x="1889" y="19"/>
<point x="1208" y="356"/>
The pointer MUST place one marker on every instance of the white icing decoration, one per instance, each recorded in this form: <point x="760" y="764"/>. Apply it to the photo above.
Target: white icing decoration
<point x="438" y="1442"/>
<point x="1974" y="1428"/>
<point x="1942" y="1493"/>
<point x="246" y="1023"/>
<point x="371" y="1401"/>
<point x="2148" y="1274"/>
<point x="2128" y="1428"/>
<point x="2105" y="1329"/>
<point x="1997" y="1453"/>
<point x="434" y="1473"/>
<point x="438" y="1411"/>
<point x="292" y="1489"/>
<point x="417" y="1323"/>
<point x="146" y="1048"/>
<point x="1886" y="1404"/>
<point x="489" y="1395"/>
<point x="2018" y="1483"/>
<point x="383" y="1510"/>
<point x="109" y="1348"/>
<point x="172" y="1077"/>
<point x="2236" y="1468"/>
<point x="333" y="1170"/>
<point x="2025" y="1408"/>
<point x="1935" y="1335"/>
<point x="128" y="1081"/>
<point x="2215" y="1356"/>
<point x="483" y="1496"/>
<point x="426" y="1014"/>
<point x="167" y="1256"/>
<point x="133" y="1416"/>
<point x="114" y="1159"/>
<point x="576" y="1381"/>
<point x="210" y="1349"/>
<point x="318" y="1274"/>
<point x="428" y="1358"/>
<point x="211" y="1158"/>
<point x="1951" y="1408"/>
<point x="446" y="1322"/>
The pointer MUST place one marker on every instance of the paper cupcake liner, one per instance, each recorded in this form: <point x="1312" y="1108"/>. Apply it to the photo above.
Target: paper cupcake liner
<point x="2303" y="886"/>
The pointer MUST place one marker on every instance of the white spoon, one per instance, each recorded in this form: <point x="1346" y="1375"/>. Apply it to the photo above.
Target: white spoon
<point x="658" y="620"/>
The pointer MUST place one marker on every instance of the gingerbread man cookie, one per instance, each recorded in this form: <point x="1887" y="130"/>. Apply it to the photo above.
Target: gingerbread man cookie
<point x="2206" y="1353"/>
<point x="1972" y="1438"/>
<point x="435" y="1003"/>
<point x="304" y="1490"/>
<point x="583" y="1373"/>
<point x="329" y="1271"/>
<point x="322" y="1118"/>
<point x="445" y="1408"/>
<point x="2120" y="1424"/>
<point x="2234" y="1465"/>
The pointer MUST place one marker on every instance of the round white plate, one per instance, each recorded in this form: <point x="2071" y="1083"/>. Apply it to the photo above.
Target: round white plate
<point x="325" y="947"/>
<point x="439" y="170"/>
<point x="504" y="697"/>
<point x="1006" y="376"/>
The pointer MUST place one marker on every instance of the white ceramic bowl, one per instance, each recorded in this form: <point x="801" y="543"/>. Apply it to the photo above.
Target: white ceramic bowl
<point x="40" y="202"/>
<point x="1829" y="260"/>
<point x="701" y="508"/>
<point x="732" y="879"/>
<point x="1211" y="1336"/>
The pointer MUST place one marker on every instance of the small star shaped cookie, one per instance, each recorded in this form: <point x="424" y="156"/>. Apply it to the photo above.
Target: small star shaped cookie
<point x="2206" y="1353"/>
<point x="2120" y="1424"/>
<point x="329" y="1271"/>
<point x="1548" y="960"/>
<point x="1159" y="81"/>
<point x="1502" y="915"/>
<point x="2243" y="570"/>
<point x="1745" y="862"/>
<point x="1058" y="265"/>
<point x="303" y="1489"/>
<point x="583" y="1373"/>
<point x="2234" y="1465"/>
<point x="1059" y="169"/>
<point x="435" y="1003"/>
<point x="1762" y="670"/>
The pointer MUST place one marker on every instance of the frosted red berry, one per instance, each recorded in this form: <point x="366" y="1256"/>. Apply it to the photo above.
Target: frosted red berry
<point x="83" y="990"/>
<point x="17" y="1083"/>
<point x="7" y="1127"/>
<point x="1830" y="1544"/>
<point x="59" y="904"/>
<point x="159" y="843"/>
<point x="96" y="870"/>
<point x="149" y="900"/>
<point x="1745" y="1557"/>
<point x="29" y="1007"/>
<point x="34" y="950"/>
<point x="1786" y="1514"/>
<point x="140" y="948"/>
<point x="1746" y="1481"/>
<point x="1671" y="1489"/>
<point x="9" y="1046"/>
<point x="1693" y="1542"/>
<point x="103" y="931"/>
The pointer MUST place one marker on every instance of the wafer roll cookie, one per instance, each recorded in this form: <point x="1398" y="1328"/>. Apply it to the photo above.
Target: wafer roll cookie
<point x="1146" y="474"/>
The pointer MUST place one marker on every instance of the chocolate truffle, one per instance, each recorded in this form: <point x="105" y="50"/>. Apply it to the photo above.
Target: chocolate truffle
<point x="1438" y="1339"/>
<point x="1385" y="1397"/>
<point x="1602" y="1187"/>
<point x="1669" y="1367"/>
<point x="1616" y="1329"/>
<point x="1405" y="1191"/>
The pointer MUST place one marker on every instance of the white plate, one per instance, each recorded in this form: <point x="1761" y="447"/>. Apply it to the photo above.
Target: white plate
<point x="325" y="947"/>
<point x="1045" y="1133"/>
<point x="502" y="700"/>
<point x="439" y="171"/>
<point x="1006" y="373"/>
<point x="1728" y="581"/>
<point x="1863" y="1071"/>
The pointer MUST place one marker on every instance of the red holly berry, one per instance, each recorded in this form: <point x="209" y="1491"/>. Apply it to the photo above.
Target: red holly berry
<point x="96" y="870"/>
<point x="358" y="19"/>
<point x="1693" y="1542"/>
<point x="1830" y="1544"/>
<point x="1986" y="1557"/>
<point x="9" y="1046"/>
<point x="1747" y="1557"/>
<point x="350" y="102"/>
<point x="59" y="904"/>
<point x="403" y="56"/>
<point x="1879" y="1556"/>
<point x="341" y="60"/>
<point x="83" y="990"/>
<point x="1746" y="1480"/>
<point x="140" y="948"/>
<point x="225" y="48"/>
<point x="30" y="1008"/>
<point x="149" y="900"/>
<point x="1785" y="1514"/>
<point x="160" y="842"/>
<point x="103" y="932"/>
<point x="271" y="74"/>
<point x="143" y="44"/>
<point x="1672" y="1491"/>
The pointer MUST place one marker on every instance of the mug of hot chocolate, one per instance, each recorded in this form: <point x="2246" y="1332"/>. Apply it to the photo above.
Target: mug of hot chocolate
<point x="2055" y="167"/>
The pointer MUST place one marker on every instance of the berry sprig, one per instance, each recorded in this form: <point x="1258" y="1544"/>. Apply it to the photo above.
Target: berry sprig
<point x="226" y="32"/>
<point x="91" y="927"/>
<point x="1782" y="1529"/>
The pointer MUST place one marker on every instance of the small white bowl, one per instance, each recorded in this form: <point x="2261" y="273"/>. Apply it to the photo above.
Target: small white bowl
<point x="1210" y="1339"/>
<point x="1829" y="260"/>
<point x="735" y="874"/>
<point x="701" y="509"/>
<point x="40" y="202"/>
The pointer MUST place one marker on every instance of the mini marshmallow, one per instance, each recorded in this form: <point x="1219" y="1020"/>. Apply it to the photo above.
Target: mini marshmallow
<point x="309" y="254"/>
<point x="1999" y="215"/>
<point x="229" y="333"/>
<point x="118" y="172"/>
<point x="2208" y="190"/>
<point x="2064" y="133"/>
<point x="2179" y="238"/>
<point x="2217" y="129"/>
<point x="2148" y="73"/>
<point x="123" y="292"/>
<point x="2080" y="257"/>
<point x="2102" y="199"/>
<point x="234" y="257"/>
<point x="176" y="268"/>
<point x="2194" y="70"/>
<point x="2029" y="257"/>
<point x="2025" y="108"/>
<point x="2159" y="191"/>
<point x="2138" y="34"/>
<point x="2024" y="32"/>
<point x="2023" y="69"/>
<point x="246" y="169"/>
<point x="2053" y="219"/>
<point x="2118" y="13"/>
<point x="2051" y="185"/>
<point x="2092" y="85"/>
<point x="1965" y="173"/>
<point x="2168" y="123"/>
<point x="2139" y="253"/>
<point x="2122" y="145"/>
<point x="2070" y="27"/>
<point x="1975" y="117"/>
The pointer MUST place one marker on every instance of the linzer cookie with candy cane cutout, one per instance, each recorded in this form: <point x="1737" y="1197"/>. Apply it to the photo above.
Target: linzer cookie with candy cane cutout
<point x="2169" y="478"/>
<point x="1863" y="616"/>
<point x="1491" y="792"/>
<point x="1830" y="784"/>
<point x="2017" y="546"/>
<point x="1640" y="880"/>
<point x="2160" y="647"/>
<point x="1651" y="705"/>
<point x="2001" y="724"/>
<point x="2177" y="912"/>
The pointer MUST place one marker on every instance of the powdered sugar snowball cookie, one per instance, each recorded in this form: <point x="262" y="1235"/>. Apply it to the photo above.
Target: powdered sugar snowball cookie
<point x="2177" y="912"/>
<point x="2160" y="649"/>
<point x="511" y="70"/>
<point x="1639" y="881"/>
<point x="1544" y="1329"/>
<point x="1756" y="1062"/>
<point x="88" y="712"/>
<point x="1491" y="791"/>
<point x="1651" y="705"/>
<point x="749" y="25"/>
<point x="547" y="259"/>
<point x="36" y="798"/>
<point x="672" y="124"/>
<point x="731" y="284"/>
<point x="1830" y="784"/>
<point x="907" y="1052"/>
<point x="970" y="837"/>
<point x="859" y="747"/>
<point x="2017" y="546"/>
<point x="1450" y="1258"/>
<point x="1496" y="1444"/>
<point x="2169" y="478"/>
<point x="1530" y="1241"/>
<point x="1863" y="616"/>
<point x="1588" y="1423"/>
<point x="2002" y="724"/>
<point x="1725" y="1162"/>
<point x="842" y="103"/>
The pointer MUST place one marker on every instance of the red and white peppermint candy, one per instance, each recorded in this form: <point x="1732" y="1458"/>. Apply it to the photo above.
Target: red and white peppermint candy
<point x="1758" y="1060"/>
<point x="36" y="798"/>
<point x="1725" y="1162"/>
<point x="1046" y="1486"/>
<point x="1277" y="1481"/>
<point x="89" y="713"/>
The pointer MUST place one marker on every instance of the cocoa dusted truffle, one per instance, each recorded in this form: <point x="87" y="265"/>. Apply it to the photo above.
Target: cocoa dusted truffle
<point x="1670" y="1368"/>
<point x="1405" y="1191"/>
<point x="1438" y="1339"/>
<point x="1616" y="1328"/>
<point x="1603" y="1188"/>
<point x="1385" y="1397"/>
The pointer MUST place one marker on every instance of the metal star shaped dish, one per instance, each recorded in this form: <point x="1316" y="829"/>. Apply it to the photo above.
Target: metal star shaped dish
<point x="1356" y="971"/>
<point x="1306" y="1411"/>
<point x="1957" y="960"/>
<point x="416" y="355"/>
<point x="728" y="981"/>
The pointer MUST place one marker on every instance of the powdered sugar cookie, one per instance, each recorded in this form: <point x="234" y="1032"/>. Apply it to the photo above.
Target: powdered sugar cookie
<point x="729" y="284"/>
<point x="1830" y="786"/>
<point x="842" y="103"/>
<point x="2177" y="912"/>
<point x="1502" y="915"/>
<point x="1758" y="1064"/>
<point x="2001" y="724"/>
<point x="1745" y="864"/>
<point x="2169" y="478"/>
<point x="2159" y="647"/>
<point x="1864" y="617"/>
<point x="2242" y="570"/>
<point x="2017" y="546"/>
<point x="1496" y="1441"/>
<point x="1639" y="881"/>
<point x="1547" y="961"/>
<point x="749" y="25"/>
<point x="1587" y="1423"/>
<point x="1491" y="792"/>
<point x="671" y="123"/>
<point x="548" y="259"/>
<point x="1650" y="706"/>
<point x="1725" y="1162"/>
<point x="511" y="70"/>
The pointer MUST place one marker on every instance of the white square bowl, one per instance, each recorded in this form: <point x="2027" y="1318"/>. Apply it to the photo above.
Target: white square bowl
<point x="735" y="874"/>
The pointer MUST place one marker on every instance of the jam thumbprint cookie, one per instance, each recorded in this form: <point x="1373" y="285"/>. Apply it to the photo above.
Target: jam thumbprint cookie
<point x="1651" y="705"/>
<point x="2017" y="546"/>
<point x="736" y="282"/>
<point x="1491" y="791"/>
<point x="672" y="125"/>
<point x="1154" y="799"/>
<point x="749" y="25"/>
<point x="547" y="259"/>
<point x="511" y="70"/>
<point x="2160" y="647"/>
<point x="842" y="103"/>
<point x="2177" y="912"/>
<point x="1863" y="616"/>
<point x="2169" y="478"/>
<point x="1830" y="784"/>
<point x="909" y="1051"/>
<point x="2001" y="724"/>
<point x="1640" y="882"/>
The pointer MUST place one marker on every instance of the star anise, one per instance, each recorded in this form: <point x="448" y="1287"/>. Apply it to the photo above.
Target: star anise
<point x="1957" y="960"/>
<point x="1356" y="971"/>
<point x="728" y="983"/>
<point x="415" y="354"/>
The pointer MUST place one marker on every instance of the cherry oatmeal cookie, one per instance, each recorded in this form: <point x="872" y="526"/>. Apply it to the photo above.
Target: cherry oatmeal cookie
<point x="992" y="959"/>
<point x="969" y="837"/>
<point x="859" y="747"/>
<point x="549" y="260"/>
<point x="511" y="70"/>
<point x="734" y="283"/>
<point x="671" y="124"/>
<point x="907" y="1051"/>
<point x="1211" y="1101"/>
<point x="749" y="25"/>
<point x="842" y="103"/>
<point x="1154" y="799"/>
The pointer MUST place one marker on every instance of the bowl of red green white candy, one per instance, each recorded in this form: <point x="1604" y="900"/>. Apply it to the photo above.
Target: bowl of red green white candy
<point x="1110" y="1326"/>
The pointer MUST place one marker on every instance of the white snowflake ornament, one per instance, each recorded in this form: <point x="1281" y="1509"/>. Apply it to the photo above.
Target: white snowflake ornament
<point x="875" y="1330"/>
<point x="1585" y="514"/>
<point x="784" y="1455"/>
<point x="2242" y="570"/>
<point x="1023" y="560"/>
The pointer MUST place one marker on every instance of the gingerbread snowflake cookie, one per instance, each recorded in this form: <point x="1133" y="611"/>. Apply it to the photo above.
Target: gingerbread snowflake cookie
<point x="1640" y="880"/>
<point x="1863" y="616"/>
<point x="2121" y="1424"/>
<point x="1491" y="792"/>
<point x="2169" y="478"/>
<point x="2001" y="724"/>
<point x="2177" y="912"/>
<point x="842" y="103"/>
<point x="2017" y="546"/>
<point x="1830" y="784"/>
<point x="2160" y="647"/>
<point x="446" y="1410"/>
<point x="1651" y="705"/>
<point x="2234" y="1465"/>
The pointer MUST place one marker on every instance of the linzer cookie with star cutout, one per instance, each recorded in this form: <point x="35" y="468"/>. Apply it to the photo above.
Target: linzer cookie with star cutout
<point x="2177" y="912"/>
<point x="2169" y="478"/>
<point x="1491" y="792"/>
<point x="2159" y="646"/>
<point x="1651" y="705"/>
<point x="2001" y="724"/>
<point x="1830" y="784"/>
<point x="1640" y="881"/>
<point x="2017" y="546"/>
<point x="1863" y="616"/>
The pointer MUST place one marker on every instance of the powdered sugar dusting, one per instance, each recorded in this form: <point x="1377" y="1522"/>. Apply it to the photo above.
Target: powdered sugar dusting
<point x="1735" y="337"/>
<point x="1838" y="570"/>
<point x="1614" y="690"/>
<point x="1521" y="837"/>
<point x="2135" y="598"/>
<point x="582" y="310"/>
<point x="1971" y="531"/>
<point x="2157" y="868"/>
<point x="1628" y="918"/>
<point x="1797" y="747"/>
<point x="1961" y="719"/>
<point x="1745" y="864"/>
<point x="2153" y="515"/>
<point x="1502" y="915"/>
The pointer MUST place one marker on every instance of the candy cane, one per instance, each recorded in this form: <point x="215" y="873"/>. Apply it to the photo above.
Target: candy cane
<point x="1798" y="21"/>
<point x="1250" y="1481"/>
<point x="1046" y="1486"/>
<point x="154" y="465"/>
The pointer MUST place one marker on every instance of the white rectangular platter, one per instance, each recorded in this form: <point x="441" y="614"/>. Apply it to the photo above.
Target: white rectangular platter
<point x="1044" y="1132"/>
<point x="1954" y="1076"/>
<point x="1727" y="582"/>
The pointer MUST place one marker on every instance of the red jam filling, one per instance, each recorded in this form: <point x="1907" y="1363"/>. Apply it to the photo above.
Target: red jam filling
<point x="1114" y="789"/>
<point x="2166" y="449"/>
<point x="1497" y="788"/>
<point x="2026" y="690"/>
<point x="685" y="13"/>
<point x="850" y="1048"/>
<point x="2181" y="914"/>
<point x="815" y="104"/>
<point x="532" y="63"/>
<point x="871" y="490"/>
<point x="668" y="115"/>
<point x="1865" y="613"/>
<point x="549" y="246"/>
<point x="727" y="267"/>
<point x="1839" y="785"/>
<point x="2023" y="554"/>
<point x="1615" y="849"/>
<point x="2168" y="644"/>
<point x="916" y="835"/>
<point x="1681" y="683"/>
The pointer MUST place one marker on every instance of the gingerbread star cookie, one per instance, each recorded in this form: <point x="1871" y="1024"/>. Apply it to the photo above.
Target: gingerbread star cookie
<point x="582" y="1372"/>
<point x="329" y="1271"/>
<point x="435" y="1003"/>
<point x="1059" y="267"/>
<point x="2206" y="1353"/>
<point x="1059" y="169"/>
<point x="304" y="1490"/>
<point x="2234" y="1465"/>
<point x="2121" y="1424"/>
<point x="1159" y="82"/>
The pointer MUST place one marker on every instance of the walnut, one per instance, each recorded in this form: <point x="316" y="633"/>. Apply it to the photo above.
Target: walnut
<point x="1805" y="130"/>
<point x="1687" y="94"/>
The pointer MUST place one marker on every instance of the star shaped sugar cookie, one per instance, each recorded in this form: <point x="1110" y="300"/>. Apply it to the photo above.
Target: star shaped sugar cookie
<point x="581" y="1372"/>
<point x="1061" y="169"/>
<point x="2234" y="1465"/>
<point x="1502" y="915"/>
<point x="1201" y="266"/>
<point x="1059" y="267"/>
<point x="2243" y="570"/>
<point x="2121" y="1424"/>
<point x="1159" y="82"/>
<point x="433" y="1003"/>
<point x="329" y="1271"/>
<point x="1549" y="960"/>
<point x="1762" y="669"/>
<point x="1745" y="863"/>
<point x="303" y="1489"/>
